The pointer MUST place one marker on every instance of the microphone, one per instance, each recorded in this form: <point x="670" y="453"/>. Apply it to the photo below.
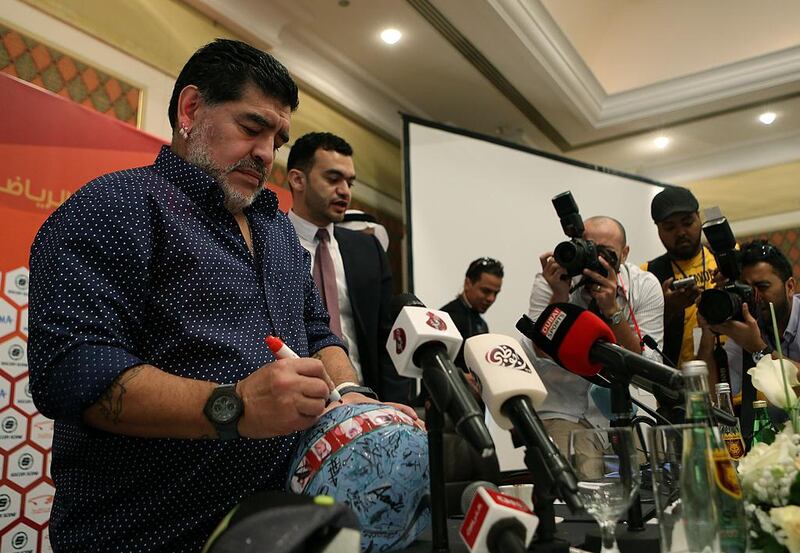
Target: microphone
<point x="651" y="343"/>
<point x="422" y="343"/>
<point x="510" y="388"/>
<point x="468" y="494"/>
<point x="495" y="522"/>
<point x="582" y="343"/>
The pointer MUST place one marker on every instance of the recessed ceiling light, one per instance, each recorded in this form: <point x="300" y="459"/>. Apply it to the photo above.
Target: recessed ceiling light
<point x="768" y="117"/>
<point x="662" y="142"/>
<point x="391" y="36"/>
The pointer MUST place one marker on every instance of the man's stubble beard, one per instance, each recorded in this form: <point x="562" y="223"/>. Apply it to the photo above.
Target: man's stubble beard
<point x="197" y="153"/>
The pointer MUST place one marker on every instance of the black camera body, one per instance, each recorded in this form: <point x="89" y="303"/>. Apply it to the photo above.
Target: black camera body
<point x="724" y="303"/>
<point x="578" y="253"/>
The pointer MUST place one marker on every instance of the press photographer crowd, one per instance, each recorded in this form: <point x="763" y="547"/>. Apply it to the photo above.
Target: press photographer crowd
<point x="227" y="377"/>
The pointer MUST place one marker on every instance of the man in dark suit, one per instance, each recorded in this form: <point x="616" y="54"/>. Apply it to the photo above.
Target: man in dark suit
<point x="350" y="267"/>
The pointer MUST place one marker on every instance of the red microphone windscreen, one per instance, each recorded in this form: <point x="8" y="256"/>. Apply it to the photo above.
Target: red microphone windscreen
<point x="566" y="332"/>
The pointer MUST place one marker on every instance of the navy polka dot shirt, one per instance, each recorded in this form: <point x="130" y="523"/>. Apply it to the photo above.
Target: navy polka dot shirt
<point x="147" y="266"/>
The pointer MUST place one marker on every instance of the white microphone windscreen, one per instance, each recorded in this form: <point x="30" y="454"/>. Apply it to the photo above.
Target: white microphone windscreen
<point x="504" y="371"/>
<point x="414" y="327"/>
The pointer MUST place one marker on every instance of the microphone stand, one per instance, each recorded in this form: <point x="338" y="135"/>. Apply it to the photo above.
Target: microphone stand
<point x="546" y="539"/>
<point x="434" y="421"/>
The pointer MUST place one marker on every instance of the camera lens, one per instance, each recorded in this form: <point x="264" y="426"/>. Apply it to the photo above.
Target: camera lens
<point x="571" y="256"/>
<point x="717" y="306"/>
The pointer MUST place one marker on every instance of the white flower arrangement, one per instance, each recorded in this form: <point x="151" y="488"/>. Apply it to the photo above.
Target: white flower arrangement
<point x="770" y="474"/>
<point x="769" y="477"/>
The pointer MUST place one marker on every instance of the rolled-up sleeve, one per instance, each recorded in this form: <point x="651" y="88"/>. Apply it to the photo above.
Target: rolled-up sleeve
<point x="89" y="266"/>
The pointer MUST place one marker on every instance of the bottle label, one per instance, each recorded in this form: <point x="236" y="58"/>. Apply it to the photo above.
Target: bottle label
<point x="733" y="440"/>
<point x="725" y="473"/>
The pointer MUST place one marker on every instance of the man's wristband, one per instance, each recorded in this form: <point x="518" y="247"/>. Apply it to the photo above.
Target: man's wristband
<point x="355" y="387"/>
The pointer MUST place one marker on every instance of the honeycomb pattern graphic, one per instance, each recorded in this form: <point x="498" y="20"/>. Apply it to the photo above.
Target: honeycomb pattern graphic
<point x="26" y="436"/>
<point x="35" y="62"/>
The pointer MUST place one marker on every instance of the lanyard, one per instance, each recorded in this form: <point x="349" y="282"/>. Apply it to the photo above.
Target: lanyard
<point x="703" y="254"/>
<point x="630" y="308"/>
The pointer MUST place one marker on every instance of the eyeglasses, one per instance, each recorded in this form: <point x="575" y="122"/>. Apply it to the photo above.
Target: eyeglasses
<point x="486" y="262"/>
<point x="758" y="251"/>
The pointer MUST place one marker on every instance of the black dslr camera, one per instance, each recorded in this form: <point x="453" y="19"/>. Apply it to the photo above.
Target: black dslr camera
<point x="578" y="253"/>
<point x="724" y="303"/>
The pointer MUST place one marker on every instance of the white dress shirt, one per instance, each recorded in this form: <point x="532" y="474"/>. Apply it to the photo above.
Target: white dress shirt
<point x="567" y="394"/>
<point x="307" y="233"/>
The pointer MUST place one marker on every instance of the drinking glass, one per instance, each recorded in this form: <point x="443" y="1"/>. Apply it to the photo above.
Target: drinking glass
<point x="606" y="465"/>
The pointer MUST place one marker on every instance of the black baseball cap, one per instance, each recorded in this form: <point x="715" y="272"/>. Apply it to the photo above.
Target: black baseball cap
<point x="672" y="200"/>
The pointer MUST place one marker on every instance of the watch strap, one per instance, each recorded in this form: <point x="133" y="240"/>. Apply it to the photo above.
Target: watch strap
<point x="349" y="388"/>
<point x="759" y="355"/>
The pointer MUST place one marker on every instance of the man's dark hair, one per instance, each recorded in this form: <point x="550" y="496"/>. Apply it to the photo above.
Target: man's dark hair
<point x="484" y="265"/>
<point x="301" y="156"/>
<point x="221" y="69"/>
<point x="759" y="251"/>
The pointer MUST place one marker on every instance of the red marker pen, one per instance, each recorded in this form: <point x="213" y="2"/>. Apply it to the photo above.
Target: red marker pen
<point x="282" y="351"/>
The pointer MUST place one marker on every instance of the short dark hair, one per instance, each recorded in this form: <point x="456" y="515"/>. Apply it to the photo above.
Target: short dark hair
<point x="221" y="69"/>
<point x="761" y="251"/>
<point x="484" y="265"/>
<point x="301" y="156"/>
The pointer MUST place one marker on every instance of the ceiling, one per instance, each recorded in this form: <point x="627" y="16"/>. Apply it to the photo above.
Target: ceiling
<point x="595" y="80"/>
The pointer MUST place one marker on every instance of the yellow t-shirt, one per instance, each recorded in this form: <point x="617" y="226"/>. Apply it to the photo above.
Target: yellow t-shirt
<point x="701" y="267"/>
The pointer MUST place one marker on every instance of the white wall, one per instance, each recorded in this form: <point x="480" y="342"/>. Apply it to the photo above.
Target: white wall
<point x="470" y="198"/>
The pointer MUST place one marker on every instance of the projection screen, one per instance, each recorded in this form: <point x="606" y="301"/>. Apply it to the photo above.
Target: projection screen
<point x="469" y="196"/>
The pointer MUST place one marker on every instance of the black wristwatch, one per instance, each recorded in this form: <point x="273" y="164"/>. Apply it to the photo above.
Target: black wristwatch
<point x="363" y="390"/>
<point x="223" y="409"/>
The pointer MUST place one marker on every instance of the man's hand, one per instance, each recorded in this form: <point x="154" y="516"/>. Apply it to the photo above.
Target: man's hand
<point x="282" y="397"/>
<point x="745" y="333"/>
<point x="604" y="288"/>
<point x="353" y="398"/>
<point x="675" y="301"/>
<point x="556" y="277"/>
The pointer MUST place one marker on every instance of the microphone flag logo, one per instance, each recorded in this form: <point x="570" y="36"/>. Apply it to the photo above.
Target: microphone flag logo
<point x="506" y="356"/>
<point x="399" y="336"/>
<point x="552" y="323"/>
<point x="435" y="322"/>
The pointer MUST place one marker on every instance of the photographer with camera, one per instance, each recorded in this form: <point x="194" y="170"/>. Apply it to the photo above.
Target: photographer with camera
<point x="628" y="298"/>
<point x="750" y="336"/>
<point x="684" y="271"/>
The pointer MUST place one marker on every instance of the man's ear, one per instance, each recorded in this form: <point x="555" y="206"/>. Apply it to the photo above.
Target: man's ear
<point x="297" y="180"/>
<point x="791" y="287"/>
<point x="189" y="103"/>
<point x="625" y="251"/>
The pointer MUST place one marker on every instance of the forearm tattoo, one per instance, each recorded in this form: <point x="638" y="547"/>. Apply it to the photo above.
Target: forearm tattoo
<point x="110" y="403"/>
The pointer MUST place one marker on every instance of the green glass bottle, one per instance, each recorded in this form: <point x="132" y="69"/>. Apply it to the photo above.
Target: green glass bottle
<point x="720" y="477"/>
<point x="731" y="435"/>
<point x="763" y="429"/>
<point x="699" y="512"/>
